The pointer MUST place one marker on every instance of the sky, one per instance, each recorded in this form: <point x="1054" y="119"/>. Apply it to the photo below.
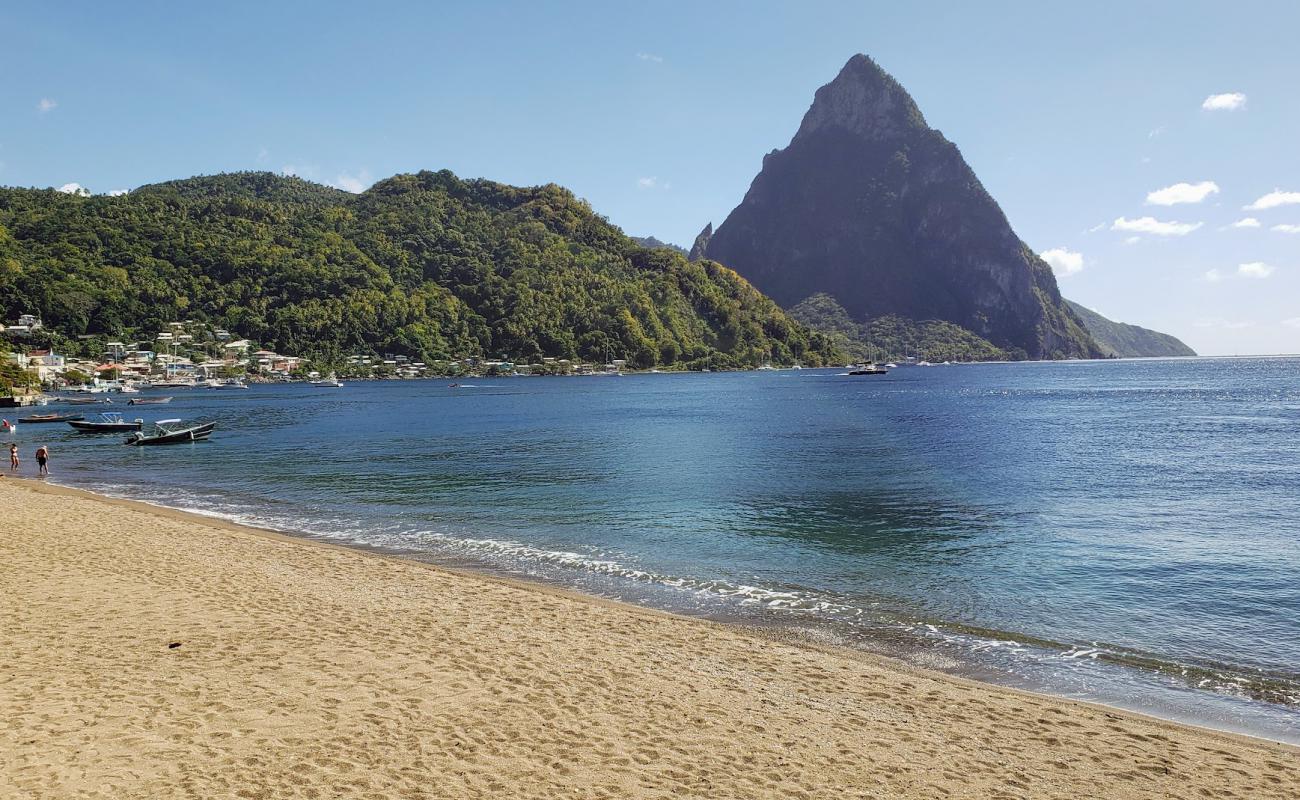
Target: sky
<point x="1150" y="150"/>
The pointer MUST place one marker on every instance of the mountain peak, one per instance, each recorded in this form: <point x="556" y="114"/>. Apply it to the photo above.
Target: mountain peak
<point x="869" y="205"/>
<point x="865" y="100"/>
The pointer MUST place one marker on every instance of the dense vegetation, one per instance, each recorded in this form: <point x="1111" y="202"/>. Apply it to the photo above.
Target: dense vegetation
<point x="652" y="243"/>
<point x="425" y="265"/>
<point x="11" y="376"/>
<point x="1128" y="341"/>
<point x="894" y="338"/>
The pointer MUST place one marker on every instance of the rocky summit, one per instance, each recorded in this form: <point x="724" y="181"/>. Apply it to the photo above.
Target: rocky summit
<point x="871" y="206"/>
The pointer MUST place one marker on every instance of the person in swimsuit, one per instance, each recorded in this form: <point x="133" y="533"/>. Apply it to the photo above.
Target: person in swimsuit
<point x="13" y="456"/>
<point x="42" y="457"/>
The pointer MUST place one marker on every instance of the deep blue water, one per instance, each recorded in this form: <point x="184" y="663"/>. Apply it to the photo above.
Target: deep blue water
<point x="1127" y="532"/>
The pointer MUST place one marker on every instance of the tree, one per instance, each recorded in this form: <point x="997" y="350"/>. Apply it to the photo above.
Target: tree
<point x="426" y="265"/>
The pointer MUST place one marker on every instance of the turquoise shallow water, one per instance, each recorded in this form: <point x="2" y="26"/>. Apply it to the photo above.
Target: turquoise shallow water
<point x="1126" y="532"/>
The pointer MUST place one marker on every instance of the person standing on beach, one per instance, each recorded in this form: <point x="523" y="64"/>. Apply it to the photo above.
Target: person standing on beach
<point x="13" y="456"/>
<point x="42" y="457"/>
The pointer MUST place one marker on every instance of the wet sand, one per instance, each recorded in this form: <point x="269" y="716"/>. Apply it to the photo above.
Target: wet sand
<point x="155" y="654"/>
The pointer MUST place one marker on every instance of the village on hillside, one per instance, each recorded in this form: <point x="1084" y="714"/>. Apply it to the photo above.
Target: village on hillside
<point x="194" y="354"/>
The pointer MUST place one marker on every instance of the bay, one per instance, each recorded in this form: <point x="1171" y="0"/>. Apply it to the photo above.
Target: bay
<point x="1126" y="532"/>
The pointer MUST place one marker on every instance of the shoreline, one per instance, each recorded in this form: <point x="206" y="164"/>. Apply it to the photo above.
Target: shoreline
<point x="896" y="651"/>
<point x="768" y="661"/>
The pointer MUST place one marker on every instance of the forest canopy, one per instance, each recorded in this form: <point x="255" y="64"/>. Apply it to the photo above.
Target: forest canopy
<point x="426" y="265"/>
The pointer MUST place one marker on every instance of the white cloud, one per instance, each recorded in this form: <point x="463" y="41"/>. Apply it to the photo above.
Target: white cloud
<point x="46" y="105"/>
<point x="1286" y="228"/>
<point x="1100" y="226"/>
<point x="307" y="171"/>
<point x="75" y="188"/>
<point x="1294" y="322"/>
<point x="650" y="57"/>
<point x="1133" y="240"/>
<point x="1154" y="132"/>
<point x="1246" y="222"/>
<point x="1182" y="193"/>
<point x="653" y="183"/>
<point x="1273" y="199"/>
<point x="118" y="192"/>
<point x="1154" y="226"/>
<point x="1254" y="269"/>
<point x="1064" y="262"/>
<point x="1251" y="269"/>
<point x="355" y="183"/>
<point x="1231" y="101"/>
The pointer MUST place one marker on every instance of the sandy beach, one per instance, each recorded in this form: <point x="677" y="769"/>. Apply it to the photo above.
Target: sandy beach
<point x="155" y="654"/>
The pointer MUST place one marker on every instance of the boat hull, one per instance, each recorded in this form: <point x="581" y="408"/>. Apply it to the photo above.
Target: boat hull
<point x="195" y="434"/>
<point x="105" y="427"/>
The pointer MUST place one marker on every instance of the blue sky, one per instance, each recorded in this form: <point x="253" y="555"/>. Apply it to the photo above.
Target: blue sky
<point x="1075" y="117"/>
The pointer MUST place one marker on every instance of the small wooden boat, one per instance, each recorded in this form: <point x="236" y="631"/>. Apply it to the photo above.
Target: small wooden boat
<point x="51" y="418"/>
<point x="148" y="401"/>
<point x="109" y="422"/>
<point x="172" y="431"/>
<point x="87" y="401"/>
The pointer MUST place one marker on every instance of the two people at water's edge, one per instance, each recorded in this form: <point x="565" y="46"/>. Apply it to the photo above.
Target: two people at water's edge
<point x="42" y="458"/>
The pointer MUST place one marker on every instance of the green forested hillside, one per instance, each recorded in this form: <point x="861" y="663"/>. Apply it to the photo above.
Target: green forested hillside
<point x="893" y="338"/>
<point x="1128" y="341"/>
<point x="427" y="265"/>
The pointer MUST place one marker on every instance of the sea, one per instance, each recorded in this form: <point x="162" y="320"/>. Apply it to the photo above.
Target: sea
<point x="1124" y="532"/>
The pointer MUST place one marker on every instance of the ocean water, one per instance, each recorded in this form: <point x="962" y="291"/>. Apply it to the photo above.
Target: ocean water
<point x="1126" y="532"/>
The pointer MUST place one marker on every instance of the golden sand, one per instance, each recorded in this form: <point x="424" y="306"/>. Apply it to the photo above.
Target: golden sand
<point x="306" y="670"/>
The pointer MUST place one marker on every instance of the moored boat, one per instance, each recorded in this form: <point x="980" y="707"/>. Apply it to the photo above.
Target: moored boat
<point x="51" y="418"/>
<point x="108" y="422"/>
<point x="868" y="369"/>
<point x="149" y="401"/>
<point x="172" y="431"/>
<point x="87" y="401"/>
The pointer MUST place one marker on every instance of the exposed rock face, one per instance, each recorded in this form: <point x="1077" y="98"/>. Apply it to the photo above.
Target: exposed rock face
<point x="873" y="207"/>
<point x="701" y="243"/>
<point x="1128" y="341"/>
